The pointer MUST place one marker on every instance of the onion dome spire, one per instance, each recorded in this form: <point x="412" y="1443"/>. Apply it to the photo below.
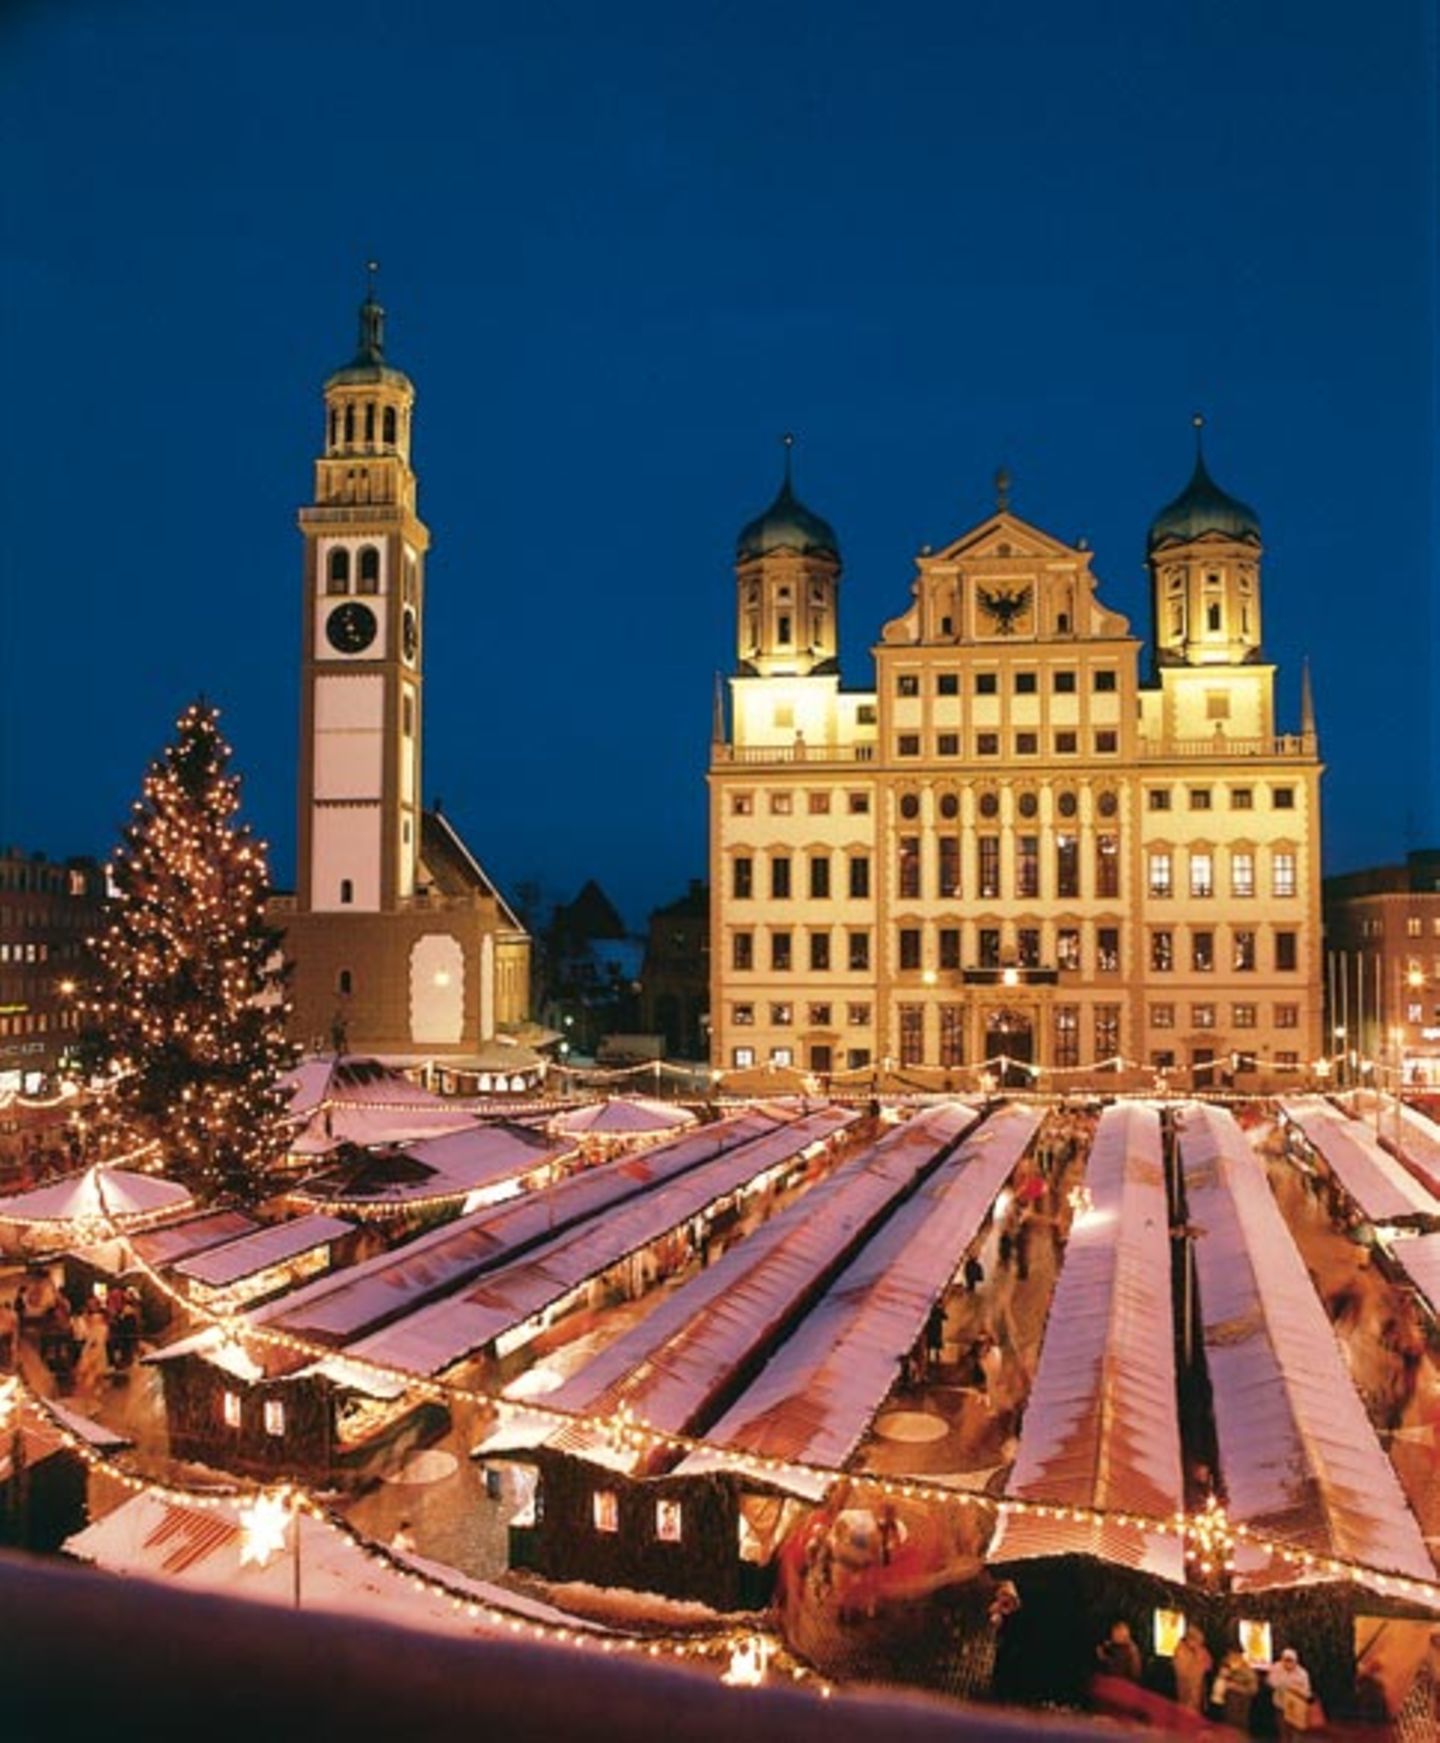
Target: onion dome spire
<point x="1203" y="507"/>
<point x="787" y="525"/>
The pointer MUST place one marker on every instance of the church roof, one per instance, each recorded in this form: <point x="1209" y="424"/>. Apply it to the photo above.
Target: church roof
<point x="1203" y="507"/>
<point x="453" y="869"/>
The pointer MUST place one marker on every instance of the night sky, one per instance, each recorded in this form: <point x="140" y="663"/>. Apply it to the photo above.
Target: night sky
<point x="622" y="248"/>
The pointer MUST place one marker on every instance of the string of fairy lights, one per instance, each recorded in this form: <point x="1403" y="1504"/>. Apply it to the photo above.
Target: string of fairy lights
<point x="1211" y="1540"/>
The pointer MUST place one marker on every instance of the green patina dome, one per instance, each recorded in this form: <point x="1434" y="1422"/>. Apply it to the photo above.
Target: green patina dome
<point x="787" y="525"/>
<point x="1203" y="507"/>
<point x="368" y="365"/>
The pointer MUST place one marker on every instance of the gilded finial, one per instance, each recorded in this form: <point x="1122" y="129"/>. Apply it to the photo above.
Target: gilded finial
<point x="787" y="442"/>
<point x="1002" y="489"/>
<point x="1197" y="421"/>
<point x="371" y="268"/>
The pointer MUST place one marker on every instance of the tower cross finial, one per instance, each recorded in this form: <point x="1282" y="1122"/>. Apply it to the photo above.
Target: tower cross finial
<point x="787" y="442"/>
<point x="371" y="268"/>
<point x="1198" y="421"/>
<point x="1002" y="489"/>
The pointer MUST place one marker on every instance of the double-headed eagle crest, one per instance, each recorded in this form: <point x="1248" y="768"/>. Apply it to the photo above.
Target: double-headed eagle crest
<point x="1004" y="607"/>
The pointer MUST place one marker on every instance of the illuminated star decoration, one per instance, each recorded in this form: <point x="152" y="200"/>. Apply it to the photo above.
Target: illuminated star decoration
<point x="264" y="1523"/>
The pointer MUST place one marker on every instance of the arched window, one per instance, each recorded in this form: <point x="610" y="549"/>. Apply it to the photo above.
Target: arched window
<point x="339" y="580"/>
<point x="389" y="426"/>
<point x="347" y="891"/>
<point x="370" y="422"/>
<point x="334" y="425"/>
<point x="349" y="424"/>
<point x="369" y="581"/>
<point x="343" y="983"/>
<point x="1212" y="616"/>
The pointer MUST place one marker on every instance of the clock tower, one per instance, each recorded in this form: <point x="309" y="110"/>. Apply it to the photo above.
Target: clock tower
<point x="359" y="825"/>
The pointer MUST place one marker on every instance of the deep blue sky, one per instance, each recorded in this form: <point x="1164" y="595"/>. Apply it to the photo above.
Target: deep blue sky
<point x="622" y="248"/>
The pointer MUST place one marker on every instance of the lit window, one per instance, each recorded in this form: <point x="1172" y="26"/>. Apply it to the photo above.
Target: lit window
<point x="274" y="1417"/>
<point x="1242" y="874"/>
<point x="858" y="1016"/>
<point x="782" y="1015"/>
<point x="1202" y="1016"/>
<point x="605" y="1506"/>
<point x="669" y="1522"/>
<point x="230" y="1409"/>
<point x="1244" y="1016"/>
<point x="782" y="1055"/>
<point x="781" y="804"/>
<point x="742" y="1057"/>
<point x="1202" y="873"/>
<point x="1162" y="1016"/>
<point x="1283" y="871"/>
<point x="741" y="804"/>
<point x="1161" y="875"/>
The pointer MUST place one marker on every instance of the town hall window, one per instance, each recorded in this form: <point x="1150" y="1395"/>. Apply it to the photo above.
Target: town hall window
<point x="339" y="579"/>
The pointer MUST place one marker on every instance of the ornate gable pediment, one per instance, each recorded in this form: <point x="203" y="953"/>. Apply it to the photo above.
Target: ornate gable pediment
<point x="1004" y="536"/>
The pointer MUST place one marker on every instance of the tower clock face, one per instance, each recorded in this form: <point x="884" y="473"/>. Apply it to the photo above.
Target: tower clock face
<point x="351" y="627"/>
<point x="409" y="634"/>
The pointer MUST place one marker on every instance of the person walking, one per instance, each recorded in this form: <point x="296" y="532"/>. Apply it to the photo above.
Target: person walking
<point x="1289" y="1685"/>
<point x="1193" y="1665"/>
<point x="1235" y="1689"/>
<point x="1118" y="1655"/>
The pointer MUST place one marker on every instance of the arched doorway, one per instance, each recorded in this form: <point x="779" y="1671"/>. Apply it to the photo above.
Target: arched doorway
<point x="1010" y="1036"/>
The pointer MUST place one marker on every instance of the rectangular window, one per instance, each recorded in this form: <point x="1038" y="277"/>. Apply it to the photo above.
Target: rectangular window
<point x="230" y="1409"/>
<point x="1067" y="1036"/>
<point x="1162" y="1016"/>
<point x="949" y="846"/>
<point x="605" y="1510"/>
<point x="274" y="1417"/>
<point x="1202" y="952"/>
<point x="912" y="1034"/>
<point x="908" y="744"/>
<point x="1107" y="1033"/>
<point x="947" y="684"/>
<point x="1282" y="798"/>
<point x="1162" y="951"/>
<point x="908" y="870"/>
<point x="1202" y="1016"/>
<point x="865" y="714"/>
<point x="989" y="947"/>
<point x="1107" y="865"/>
<point x="742" y="951"/>
<point x="859" y="877"/>
<point x="818" y="804"/>
<point x="819" y="952"/>
<point x="858" y="1016"/>
<point x="858" y="804"/>
<point x="947" y="744"/>
<point x="907" y="684"/>
<point x="1199" y="798"/>
<point x="1242" y="798"/>
<point x="1027" y="947"/>
<point x="987" y="744"/>
<point x="987" y="683"/>
<point x="988" y="884"/>
<point x="858" y="952"/>
<point x="1067" y="866"/>
<point x="781" y="804"/>
<point x="1107" y="949"/>
<point x="949" y="947"/>
<point x="1282" y="867"/>
<point x="1026" y="683"/>
<point x="1242" y="873"/>
<point x="1067" y="947"/>
<point x="741" y="1058"/>
<point x="952" y="1035"/>
<point x="1064" y="683"/>
<point x="1162" y="874"/>
<point x="1106" y="743"/>
<point x="781" y="1016"/>
<point x="820" y="1016"/>
<point x="1414" y="927"/>
<point x="1202" y="872"/>
<point x="819" y="876"/>
<point x="1287" y="951"/>
<point x="1163" y="1059"/>
<point x="1287" y="1016"/>
<point x="857" y="1058"/>
<point x="743" y="1016"/>
<point x="742" y="878"/>
<point x="780" y="877"/>
<point x="1027" y="866"/>
<point x="1244" y="954"/>
<point x="909" y="947"/>
<point x="1027" y="744"/>
<point x="1105" y="682"/>
<point x="1243" y="1016"/>
<point x="781" y="954"/>
<point x="1066" y="744"/>
<point x="1157" y="798"/>
<point x="669" y="1522"/>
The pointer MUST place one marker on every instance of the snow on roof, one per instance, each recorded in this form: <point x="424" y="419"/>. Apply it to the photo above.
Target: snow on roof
<point x="1419" y="1257"/>
<point x="621" y="1116"/>
<point x="1298" y="1457"/>
<point x="815" y="1398"/>
<point x="1415" y="1137"/>
<point x="1383" y="1188"/>
<point x="162" y="1247"/>
<point x="219" y="1266"/>
<point x="354" y="1082"/>
<point x="344" y="1306"/>
<point x="1101" y="1428"/>
<point x="97" y="1192"/>
<point x="447" y="1166"/>
<point x="666" y="1369"/>
<point x="436" y="1336"/>
<point x="363" y="1101"/>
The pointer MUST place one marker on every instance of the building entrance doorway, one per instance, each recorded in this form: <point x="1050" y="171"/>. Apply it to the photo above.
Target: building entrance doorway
<point x="1010" y="1041"/>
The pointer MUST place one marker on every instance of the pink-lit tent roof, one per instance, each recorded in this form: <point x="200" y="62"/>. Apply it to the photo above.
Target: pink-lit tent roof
<point x="365" y="1102"/>
<point x="621" y="1117"/>
<point x="1382" y="1187"/>
<point x="95" y="1193"/>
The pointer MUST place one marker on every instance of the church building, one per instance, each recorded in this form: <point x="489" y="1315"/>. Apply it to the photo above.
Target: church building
<point x="401" y="944"/>
<point x="1014" y="852"/>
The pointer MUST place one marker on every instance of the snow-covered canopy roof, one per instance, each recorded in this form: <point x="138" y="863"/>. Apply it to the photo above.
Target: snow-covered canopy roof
<point x="1298" y="1457"/>
<point x="453" y="1165"/>
<point x="336" y="1309"/>
<point x="1102" y="1429"/>
<point x="437" y="1336"/>
<point x="1382" y="1187"/>
<point x="162" y="1247"/>
<point x="1414" y="1136"/>
<point x="95" y="1193"/>
<point x="668" y="1367"/>
<point x="620" y="1117"/>
<point x="816" y="1397"/>
<point x="363" y="1101"/>
<point x="219" y="1266"/>
<point x="1418" y="1256"/>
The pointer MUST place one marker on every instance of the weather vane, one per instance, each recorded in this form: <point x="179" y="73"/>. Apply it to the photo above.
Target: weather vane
<point x="1002" y="489"/>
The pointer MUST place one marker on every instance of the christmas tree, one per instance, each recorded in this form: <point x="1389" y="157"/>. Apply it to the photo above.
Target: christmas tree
<point x="185" y="999"/>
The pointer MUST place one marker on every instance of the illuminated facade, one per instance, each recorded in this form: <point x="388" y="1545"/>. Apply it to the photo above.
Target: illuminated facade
<point x="1013" y="848"/>
<point x="401" y="943"/>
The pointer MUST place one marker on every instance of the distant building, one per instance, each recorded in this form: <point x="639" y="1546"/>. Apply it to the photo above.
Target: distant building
<point x="1013" y="848"/>
<point x="48" y="909"/>
<point x="590" y="971"/>
<point x="675" y="976"/>
<point x="402" y="944"/>
<point x="1382" y="935"/>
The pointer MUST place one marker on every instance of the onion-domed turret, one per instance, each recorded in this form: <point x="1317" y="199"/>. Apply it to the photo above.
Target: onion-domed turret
<point x="1203" y="507"/>
<point x="787" y="525"/>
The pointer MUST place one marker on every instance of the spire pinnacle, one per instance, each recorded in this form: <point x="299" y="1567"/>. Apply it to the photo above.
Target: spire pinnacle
<point x="371" y="348"/>
<point x="1307" y="699"/>
<point x="717" y="719"/>
<point x="787" y="442"/>
<point x="1003" y="482"/>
